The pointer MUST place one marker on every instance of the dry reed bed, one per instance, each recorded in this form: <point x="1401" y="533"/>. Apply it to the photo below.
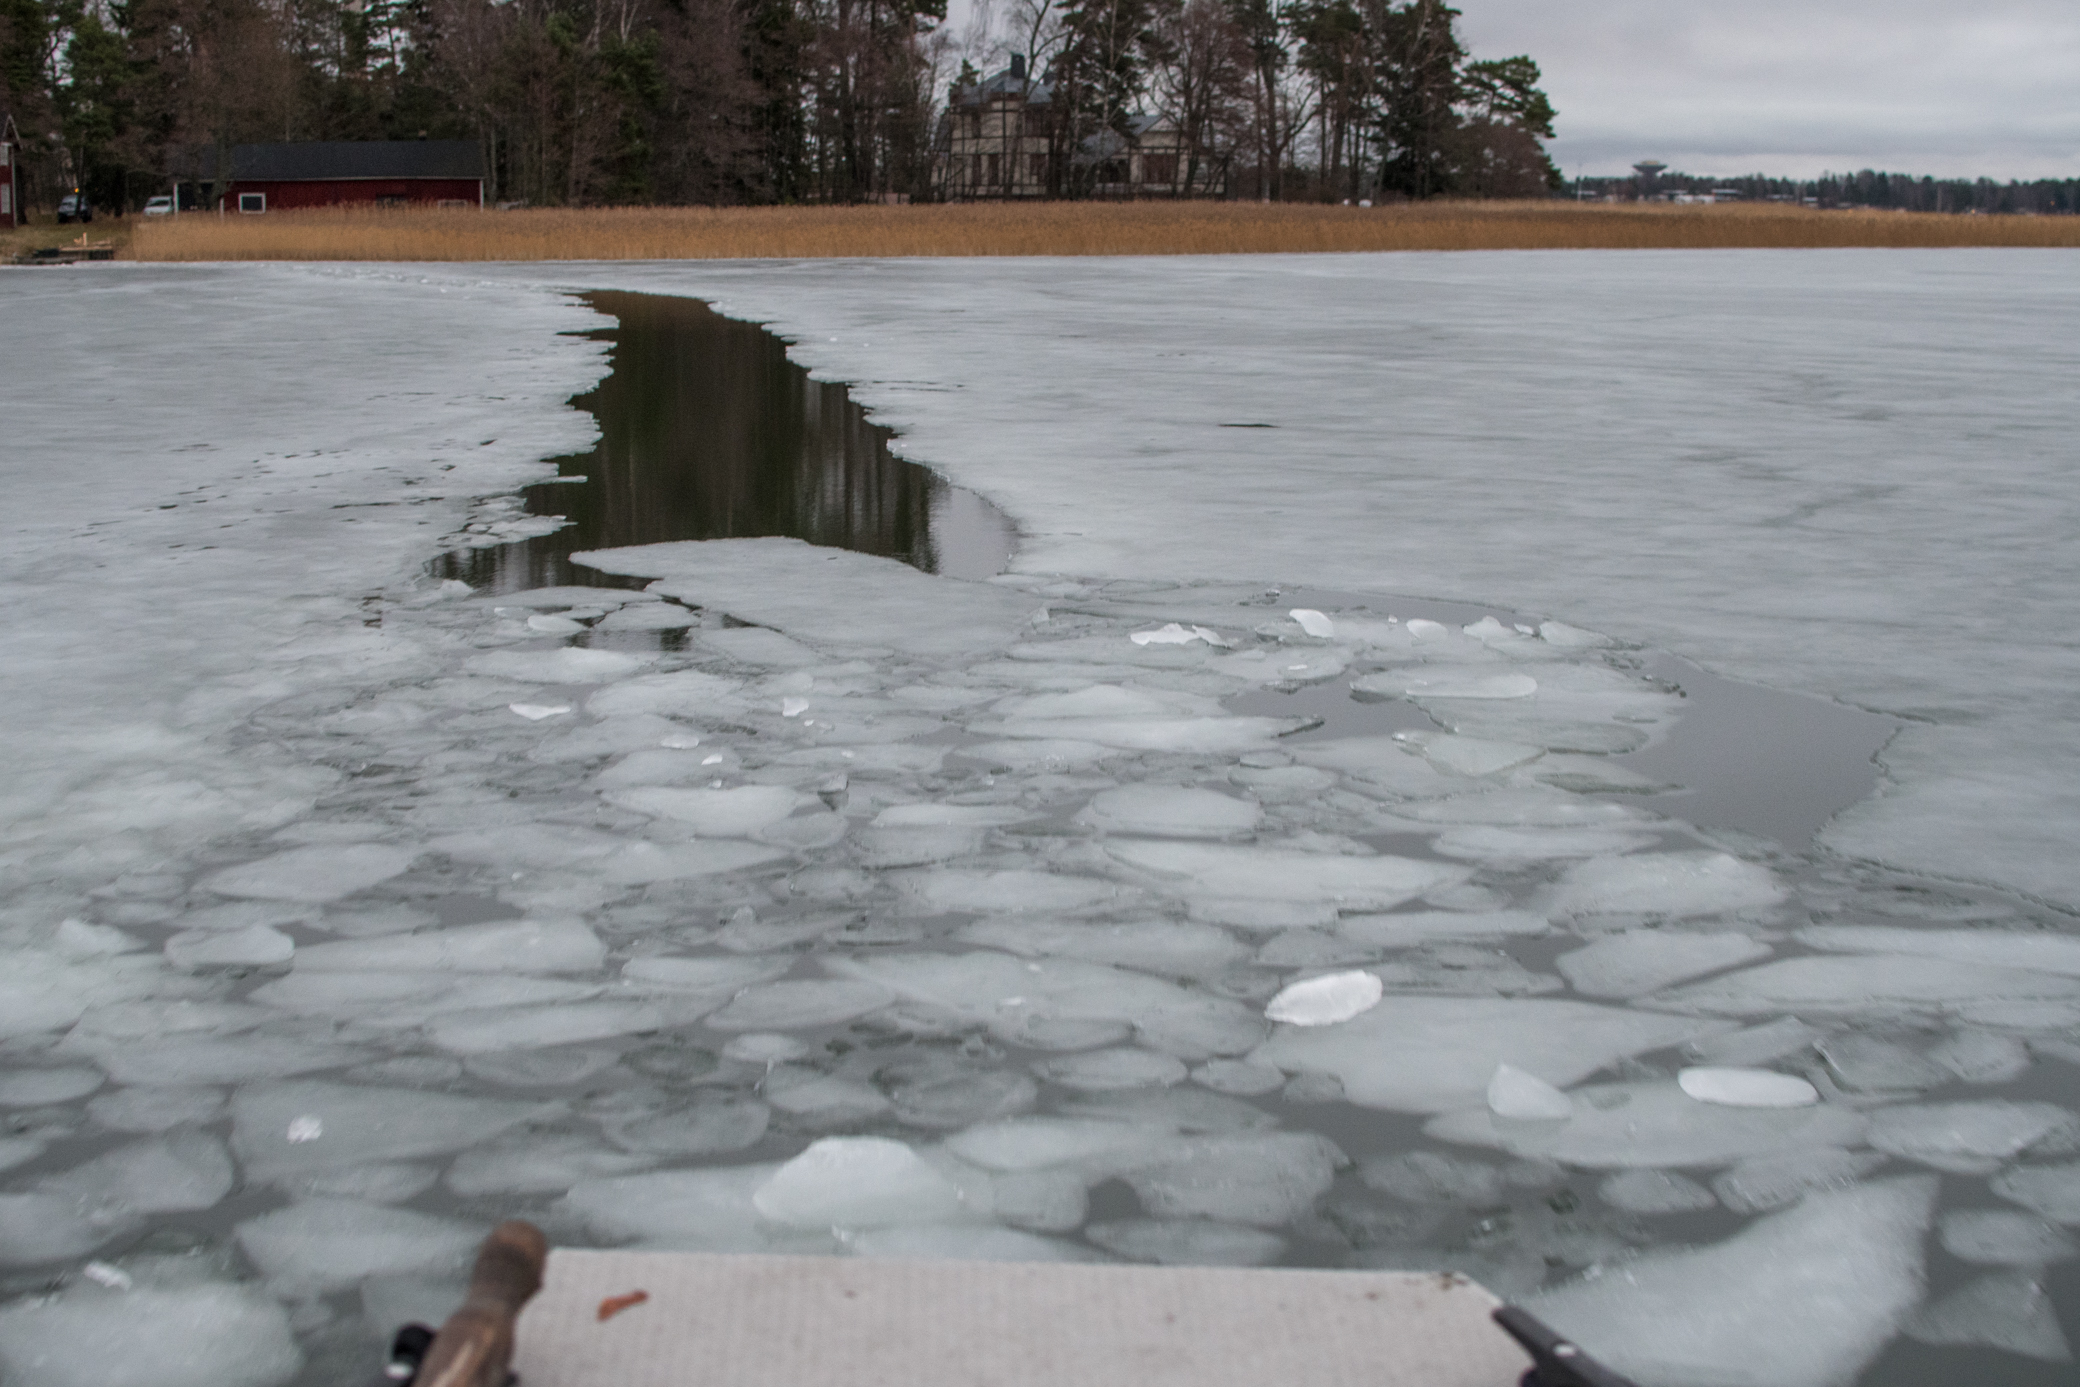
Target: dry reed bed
<point x="1063" y="228"/>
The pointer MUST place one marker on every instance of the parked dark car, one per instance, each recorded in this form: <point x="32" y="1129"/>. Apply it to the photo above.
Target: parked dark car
<point x="74" y="207"/>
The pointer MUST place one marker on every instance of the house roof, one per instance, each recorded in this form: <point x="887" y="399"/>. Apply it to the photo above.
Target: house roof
<point x="1008" y="83"/>
<point x="330" y="160"/>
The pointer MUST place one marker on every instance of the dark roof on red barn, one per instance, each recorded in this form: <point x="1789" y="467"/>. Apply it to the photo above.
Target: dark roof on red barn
<point x="331" y="160"/>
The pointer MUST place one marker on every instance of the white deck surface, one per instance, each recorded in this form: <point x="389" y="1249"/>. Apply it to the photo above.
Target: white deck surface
<point x="838" y="1322"/>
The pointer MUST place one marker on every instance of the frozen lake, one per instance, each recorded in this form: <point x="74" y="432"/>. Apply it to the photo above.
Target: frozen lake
<point x="776" y="897"/>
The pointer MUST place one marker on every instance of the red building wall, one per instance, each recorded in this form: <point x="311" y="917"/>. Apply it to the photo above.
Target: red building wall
<point x="10" y="189"/>
<point x="332" y="192"/>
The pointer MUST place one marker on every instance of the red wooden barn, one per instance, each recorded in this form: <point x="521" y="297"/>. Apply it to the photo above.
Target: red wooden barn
<point x="272" y="177"/>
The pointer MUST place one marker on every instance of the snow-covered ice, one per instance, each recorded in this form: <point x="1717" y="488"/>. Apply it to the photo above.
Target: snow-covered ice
<point x="1521" y="1097"/>
<point x="207" y="1334"/>
<point x="1651" y="1123"/>
<point x="2005" y="1238"/>
<point x="1433" y="1054"/>
<point x="761" y="918"/>
<point x="1802" y="1298"/>
<point x="1326" y="1000"/>
<point x="1746" y="1088"/>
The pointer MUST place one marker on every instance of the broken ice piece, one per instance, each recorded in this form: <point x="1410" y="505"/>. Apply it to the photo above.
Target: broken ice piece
<point x="1326" y="1000"/>
<point x="82" y="940"/>
<point x="1169" y="634"/>
<point x="1525" y="1097"/>
<point x="554" y="625"/>
<point x="257" y="946"/>
<point x="2006" y="1310"/>
<point x="102" y="1274"/>
<point x="1747" y="1088"/>
<point x="535" y="712"/>
<point x="765" y="1047"/>
<point x="1314" y="623"/>
<point x="308" y="1127"/>
<point x="1655" y="1192"/>
<point x="1470" y="683"/>
<point x="2050" y="1190"/>
<point x="857" y="1182"/>
<point x="793" y="707"/>
<point x="680" y="741"/>
<point x="2003" y="1237"/>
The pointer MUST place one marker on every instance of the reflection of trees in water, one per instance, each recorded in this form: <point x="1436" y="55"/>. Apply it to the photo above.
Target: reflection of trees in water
<point x="708" y="431"/>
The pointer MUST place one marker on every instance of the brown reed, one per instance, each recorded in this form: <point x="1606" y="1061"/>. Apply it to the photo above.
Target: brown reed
<point x="1057" y="228"/>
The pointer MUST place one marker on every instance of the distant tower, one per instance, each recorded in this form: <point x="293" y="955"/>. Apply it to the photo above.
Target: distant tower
<point x="1649" y="171"/>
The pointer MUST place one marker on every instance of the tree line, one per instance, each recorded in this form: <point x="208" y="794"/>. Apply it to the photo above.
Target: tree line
<point x="586" y="102"/>
<point x="1871" y="188"/>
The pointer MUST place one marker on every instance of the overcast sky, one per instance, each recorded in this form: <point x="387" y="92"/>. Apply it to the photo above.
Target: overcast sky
<point x="1798" y="87"/>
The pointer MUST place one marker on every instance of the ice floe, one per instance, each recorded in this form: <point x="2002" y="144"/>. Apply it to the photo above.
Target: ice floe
<point x="1974" y="1138"/>
<point x="1187" y="1242"/>
<point x="1651" y="1123"/>
<point x="546" y="946"/>
<point x="1325" y="1000"/>
<point x="359" y="1123"/>
<point x="1746" y="1088"/>
<point x="1522" y="1097"/>
<point x="1802" y="1298"/>
<point x="1634" y="962"/>
<point x="1171" y="812"/>
<point x="2050" y="1190"/>
<point x="1354" y="883"/>
<point x="2005" y="1310"/>
<point x="1761" y="1183"/>
<point x="858" y="1182"/>
<point x="208" y="1334"/>
<point x="1677" y="885"/>
<point x="2041" y="950"/>
<point x="321" y="1245"/>
<point x="826" y="596"/>
<point x="2005" y="1238"/>
<point x="1434" y="1054"/>
<point x="1647" y="1191"/>
<point x="313" y="874"/>
<point x="1878" y="984"/>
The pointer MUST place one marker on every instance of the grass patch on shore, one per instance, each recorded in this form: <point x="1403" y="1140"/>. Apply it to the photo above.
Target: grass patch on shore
<point x="1058" y="228"/>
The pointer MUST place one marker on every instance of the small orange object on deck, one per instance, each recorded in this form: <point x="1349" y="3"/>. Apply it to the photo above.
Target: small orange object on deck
<point x="615" y="1304"/>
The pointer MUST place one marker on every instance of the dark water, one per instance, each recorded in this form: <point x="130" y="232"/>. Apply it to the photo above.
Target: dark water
<point x="708" y="431"/>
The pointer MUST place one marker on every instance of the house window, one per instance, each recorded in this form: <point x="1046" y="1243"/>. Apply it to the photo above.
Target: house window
<point x="996" y="169"/>
<point x="6" y="199"/>
<point x="1039" y="168"/>
<point x="975" y="170"/>
<point x="454" y="202"/>
<point x="252" y="202"/>
<point x="1159" y="168"/>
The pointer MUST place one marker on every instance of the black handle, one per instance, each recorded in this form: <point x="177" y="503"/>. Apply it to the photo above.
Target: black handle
<point x="1556" y="1361"/>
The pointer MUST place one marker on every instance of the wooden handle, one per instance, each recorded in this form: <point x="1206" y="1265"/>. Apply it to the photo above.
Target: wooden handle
<point x="475" y="1346"/>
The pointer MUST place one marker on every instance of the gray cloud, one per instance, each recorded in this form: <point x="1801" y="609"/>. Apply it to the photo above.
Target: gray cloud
<point x="1796" y="87"/>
